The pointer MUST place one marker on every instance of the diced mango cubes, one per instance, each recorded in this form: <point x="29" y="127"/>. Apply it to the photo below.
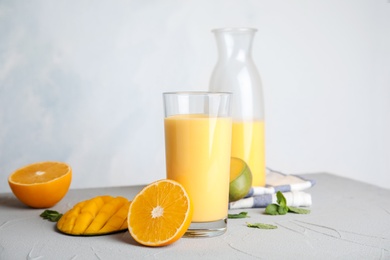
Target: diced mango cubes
<point x="97" y="216"/>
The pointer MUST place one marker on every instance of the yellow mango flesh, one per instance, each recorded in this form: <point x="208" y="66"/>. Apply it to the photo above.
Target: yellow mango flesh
<point x="97" y="216"/>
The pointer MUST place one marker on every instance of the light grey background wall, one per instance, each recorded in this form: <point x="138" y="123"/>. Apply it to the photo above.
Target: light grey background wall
<point x="81" y="82"/>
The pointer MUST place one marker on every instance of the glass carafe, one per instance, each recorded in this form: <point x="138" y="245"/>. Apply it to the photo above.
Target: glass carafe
<point x="236" y="72"/>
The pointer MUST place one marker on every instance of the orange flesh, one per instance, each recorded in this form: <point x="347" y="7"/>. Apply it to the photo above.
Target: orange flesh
<point x="39" y="173"/>
<point x="160" y="214"/>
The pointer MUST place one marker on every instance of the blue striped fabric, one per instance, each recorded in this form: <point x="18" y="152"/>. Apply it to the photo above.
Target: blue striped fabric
<point x="292" y="187"/>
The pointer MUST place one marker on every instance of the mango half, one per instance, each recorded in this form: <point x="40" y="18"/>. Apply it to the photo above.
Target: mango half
<point x="240" y="179"/>
<point x="97" y="216"/>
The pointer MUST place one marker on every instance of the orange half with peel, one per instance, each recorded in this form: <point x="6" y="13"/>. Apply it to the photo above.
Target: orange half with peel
<point x="42" y="184"/>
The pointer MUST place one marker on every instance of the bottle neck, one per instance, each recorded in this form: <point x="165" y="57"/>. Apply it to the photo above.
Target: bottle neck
<point x="234" y="43"/>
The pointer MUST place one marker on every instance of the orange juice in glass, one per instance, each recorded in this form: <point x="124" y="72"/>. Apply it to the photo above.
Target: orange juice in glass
<point x="198" y="130"/>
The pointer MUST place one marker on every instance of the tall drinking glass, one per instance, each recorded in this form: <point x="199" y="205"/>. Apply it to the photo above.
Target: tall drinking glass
<point x="198" y="128"/>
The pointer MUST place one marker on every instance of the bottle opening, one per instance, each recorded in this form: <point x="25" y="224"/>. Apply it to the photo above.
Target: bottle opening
<point x="234" y="29"/>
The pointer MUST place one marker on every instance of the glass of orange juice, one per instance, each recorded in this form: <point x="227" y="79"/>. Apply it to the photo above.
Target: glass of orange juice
<point x="198" y="132"/>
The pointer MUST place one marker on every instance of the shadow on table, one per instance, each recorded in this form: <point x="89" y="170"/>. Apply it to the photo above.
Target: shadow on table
<point x="125" y="238"/>
<point x="10" y="201"/>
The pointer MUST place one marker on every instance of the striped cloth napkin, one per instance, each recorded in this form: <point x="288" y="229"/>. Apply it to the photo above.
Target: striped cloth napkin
<point x="291" y="186"/>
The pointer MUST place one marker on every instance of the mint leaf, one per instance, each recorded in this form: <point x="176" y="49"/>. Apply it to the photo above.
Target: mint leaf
<point x="261" y="226"/>
<point x="278" y="209"/>
<point x="272" y="209"/>
<point x="298" y="210"/>
<point x="281" y="199"/>
<point x="51" y="215"/>
<point x="282" y="210"/>
<point x="275" y="209"/>
<point x="239" y="215"/>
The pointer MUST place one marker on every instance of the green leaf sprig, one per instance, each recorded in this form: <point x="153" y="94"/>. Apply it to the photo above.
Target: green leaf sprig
<point x="261" y="226"/>
<point x="51" y="215"/>
<point x="298" y="210"/>
<point x="281" y="207"/>
<point x="239" y="215"/>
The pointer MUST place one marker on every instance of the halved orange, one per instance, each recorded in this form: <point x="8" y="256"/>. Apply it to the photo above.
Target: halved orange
<point x="42" y="184"/>
<point x="160" y="214"/>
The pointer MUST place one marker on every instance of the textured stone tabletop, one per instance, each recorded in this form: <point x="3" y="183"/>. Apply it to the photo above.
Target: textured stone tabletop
<point x="348" y="220"/>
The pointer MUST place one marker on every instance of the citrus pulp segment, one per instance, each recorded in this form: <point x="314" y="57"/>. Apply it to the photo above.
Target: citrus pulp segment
<point x="160" y="214"/>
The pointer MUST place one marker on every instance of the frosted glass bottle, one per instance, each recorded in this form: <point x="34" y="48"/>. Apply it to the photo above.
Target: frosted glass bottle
<point x="236" y="72"/>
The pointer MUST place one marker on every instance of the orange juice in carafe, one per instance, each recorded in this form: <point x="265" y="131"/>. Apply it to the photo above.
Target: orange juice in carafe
<point x="248" y="144"/>
<point x="236" y="72"/>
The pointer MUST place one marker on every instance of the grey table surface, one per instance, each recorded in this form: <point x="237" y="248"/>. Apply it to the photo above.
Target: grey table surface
<point x="348" y="220"/>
